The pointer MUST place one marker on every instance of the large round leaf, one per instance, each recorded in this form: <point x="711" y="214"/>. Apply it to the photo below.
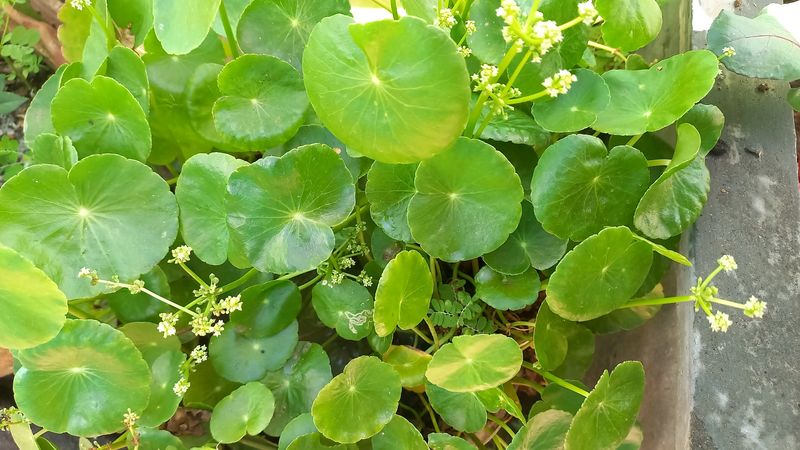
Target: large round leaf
<point x="579" y="187"/>
<point x="629" y="24"/>
<point x="107" y="213"/>
<point x="281" y="27"/>
<point x="610" y="410"/>
<point x="263" y="101"/>
<point x="101" y="117"/>
<point x="528" y="246"/>
<point x="142" y="307"/>
<point x="599" y="275"/>
<point x="182" y="25"/>
<point x="649" y="100"/>
<point x="82" y="381"/>
<point x="297" y="384"/>
<point x="578" y="108"/>
<point x="475" y="363"/>
<point x="471" y="188"/>
<point x="507" y="292"/>
<point x="280" y="210"/>
<point x="268" y="308"/>
<point x="241" y="358"/>
<point x="247" y="410"/>
<point x="359" y="402"/>
<point x="561" y="344"/>
<point x="403" y="294"/>
<point x="410" y="363"/>
<point x="398" y="431"/>
<point x="389" y="190"/>
<point x="34" y="310"/>
<point x="395" y="91"/>
<point x="346" y="307"/>
<point x="201" y="197"/>
<point x="461" y="410"/>
<point x="546" y="431"/>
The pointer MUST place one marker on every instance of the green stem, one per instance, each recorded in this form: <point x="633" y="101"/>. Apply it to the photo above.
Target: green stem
<point x="658" y="162"/>
<point x="467" y="277"/>
<point x="350" y="218"/>
<point x="634" y="140"/>
<point x="361" y="239"/>
<point x="522" y="324"/>
<point x="710" y="277"/>
<point x="242" y="280"/>
<point x="192" y="274"/>
<point x="476" y="111"/>
<point x="528" y="98"/>
<point x="430" y="413"/>
<point x="393" y="5"/>
<point x="311" y="282"/>
<point x="79" y="313"/>
<point x="110" y="35"/>
<point x="657" y="301"/>
<point x="168" y="302"/>
<point x="422" y="335"/>
<point x="727" y="303"/>
<point x="381" y="5"/>
<point x="329" y="340"/>
<point x="571" y="23"/>
<point x="435" y="335"/>
<point x="614" y="51"/>
<point x="502" y="424"/>
<point x="289" y="276"/>
<point x="556" y="380"/>
<point x="529" y="383"/>
<point x="223" y="15"/>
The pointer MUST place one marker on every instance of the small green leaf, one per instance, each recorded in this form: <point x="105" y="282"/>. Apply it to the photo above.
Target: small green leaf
<point x="599" y="275"/>
<point x="241" y="358"/>
<point x="9" y="102"/>
<point x="153" y="439"/>
<point x="463" y="411"/>
<point x="444" y="441"/>
<point x="516" y="127"/>
<point x="38" y="118"/>
<point x="50" y="148"/>
<point x="346" y="307"/>
<point x="359" y="402"/>
<point x="389" y="190"/>
<point x="578" y="108"/>
<point x="579" y="187"/>
<point x="268" y="308"/>
<point x="263" y="101"/>
<point x="409" y="362"/>
<point x="471" y="187"/>
<point x="101" y="117"/>
<point x="247" y="410"/>
<point x="125" y="66"/>
<point x="608" y="413"/>
<point x="297" y="427"/>
<point x="378" y="86"/>
<point x="34" y="310"/>
<point x="84" y="367"/>
<point x="629" y="24"/>
<point x="403" y="294"/>
<point x="475" y="363"/>
<point x="554" y="337"/>
<point x="280" y="210"/>
<point x="545" y="431"/>
<point x="182" y="25"/>
<point x="399" y="430"/>
<point x="709" y="122"/>
<point x="507" y="292"/>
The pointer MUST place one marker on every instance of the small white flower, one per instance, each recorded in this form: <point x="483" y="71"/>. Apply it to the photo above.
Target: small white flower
<point x="508" y="11"/>
<point x="167" y="324"/>
<point x="346" y="263"/>
<point x="727" y="263"/>
<point x="548" y="34"/>
<point x="464" y="51"/>
<point x="365" y="279"/>
<point x="80" y="4"/>
<point x="470" y="27"/>
<point x="559" y="83"/>
<point x="181" y="255"/>
<point x="231" y="303"/>
<point x="719" y="322"/>
<point x="755" y="308"/>
<point x="136" y="286"/>
<point x="198" y="355"/>
<point x="181" y="387"/>
<point x="587" y="12"/>
<point x="445" y="19"/>
<point x="130" y="418"/>
<point x="484" y="77"/>
<point x="85" y="272"/>
<point x="217" y="328"/>
<point x="728" y="52"/>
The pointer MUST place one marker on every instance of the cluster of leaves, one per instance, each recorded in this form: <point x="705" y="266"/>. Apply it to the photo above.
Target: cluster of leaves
<point x="326" y="186"/>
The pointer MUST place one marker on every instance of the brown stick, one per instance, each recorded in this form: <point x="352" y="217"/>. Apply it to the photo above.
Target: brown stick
<point x="6" y="363"/>
<point x="48" y="45"/>
<point x="48" y="9"/>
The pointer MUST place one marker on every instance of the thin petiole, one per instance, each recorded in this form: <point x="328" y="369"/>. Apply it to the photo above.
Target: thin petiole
<point x="614" y="51"/>
<point x="658" y="162"/>
<point x="556" y="380"/>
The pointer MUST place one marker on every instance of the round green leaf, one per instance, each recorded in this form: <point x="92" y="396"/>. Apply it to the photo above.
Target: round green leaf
<point x="562" y="346"/>
<point x="629" y="24"/>
<point x="395" y="91"/>
<point x="280" y="210"/>
<point x="461" y="410"/>
<point x="546" y="431"/>
<point x="152" y="439"/>
<point x="101" y="117"/>
<point x="34" y="310"/>
<point x="409" y="362"/>
<point x="578" y="108"/>
<point x="84" y="367"/>
<point x="346" y="307"/>
<point x="263" y="101"/>
<point x="599" y="275"/>
<point x="767" y="46"/>
<point x="247" y="410"/>
<point x="507" y="292"/>
<point x="487" y="41"/>
<point x="137" y="15"/>
<point x="403" y="294"/>
<point x="50" y="148"/>
<point x="444" y="441"/>
<point x="649" y="100"/>
<point x="471" y="188"/>
<point x="38" y="117"/>
<point x="610" y="410"/>
<point x="673" y="203"/>
<point x="281" y="27"/>
<point x="528" y="246"/>
<point x="389" y="190"/>
<point x="201" y="93"/>
<point x="182" y="25"/>
<point x="141" y="307"/>
<point x="125" y="66"/>
<point x="398" y="431"/>
<point x="268" y="308"/>
<point x="579" y="187"/>
<point x="241" y="358"/>
<point x="207" y="387"/>
<point x="165" y="372"/>
<point x="200" y="193"/>
<point x="297" y="384"/>
<point x="709" y="122"/>
<point x="107" y="213"/>
<point x="475" y="363"/>
<point x="297" y="427"/>
<point x="317" y="134"/>
<point x="359" y="402"/>
<point x="686" y="149"/>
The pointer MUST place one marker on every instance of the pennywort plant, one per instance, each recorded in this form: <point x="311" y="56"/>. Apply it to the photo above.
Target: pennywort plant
<point x="400" y="234"/>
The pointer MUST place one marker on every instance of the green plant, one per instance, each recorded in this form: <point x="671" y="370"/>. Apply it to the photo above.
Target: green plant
<point x="17" y="48"/>
<point x="362" y="184"/>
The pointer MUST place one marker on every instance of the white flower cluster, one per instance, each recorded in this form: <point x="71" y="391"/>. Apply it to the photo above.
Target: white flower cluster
<point x="227" y="305"/>
<point x="509" y="11"/>
<point x="559" y="83"/>
<point x="181" y="255"/>
<point x="727" y="263"/>
<point x="86" y="272"/>
<point x="334" y="279"/>
<point x="364" y="279"/>
<point x="538" y="34"/>
<point x="129" y="418"/>
<point x="464" y="51"/>
<point x="588" y="12"/>
<point x="483" y="79"/>
<point x="470" y="27"/>
<point x="167" y="324"/>
<point x="209" y="291"/>
<point x="755" y="308"/>
<point x="198" y="355"/>
<point x="445" y="19"/>
<point x="80" y="4"/>
<point x="719" y="322"/>
<point x="136" y="286"/>
<point x="203" y="325"/>
<point x="181" y="387"/>
<point x="728" y="52"/>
